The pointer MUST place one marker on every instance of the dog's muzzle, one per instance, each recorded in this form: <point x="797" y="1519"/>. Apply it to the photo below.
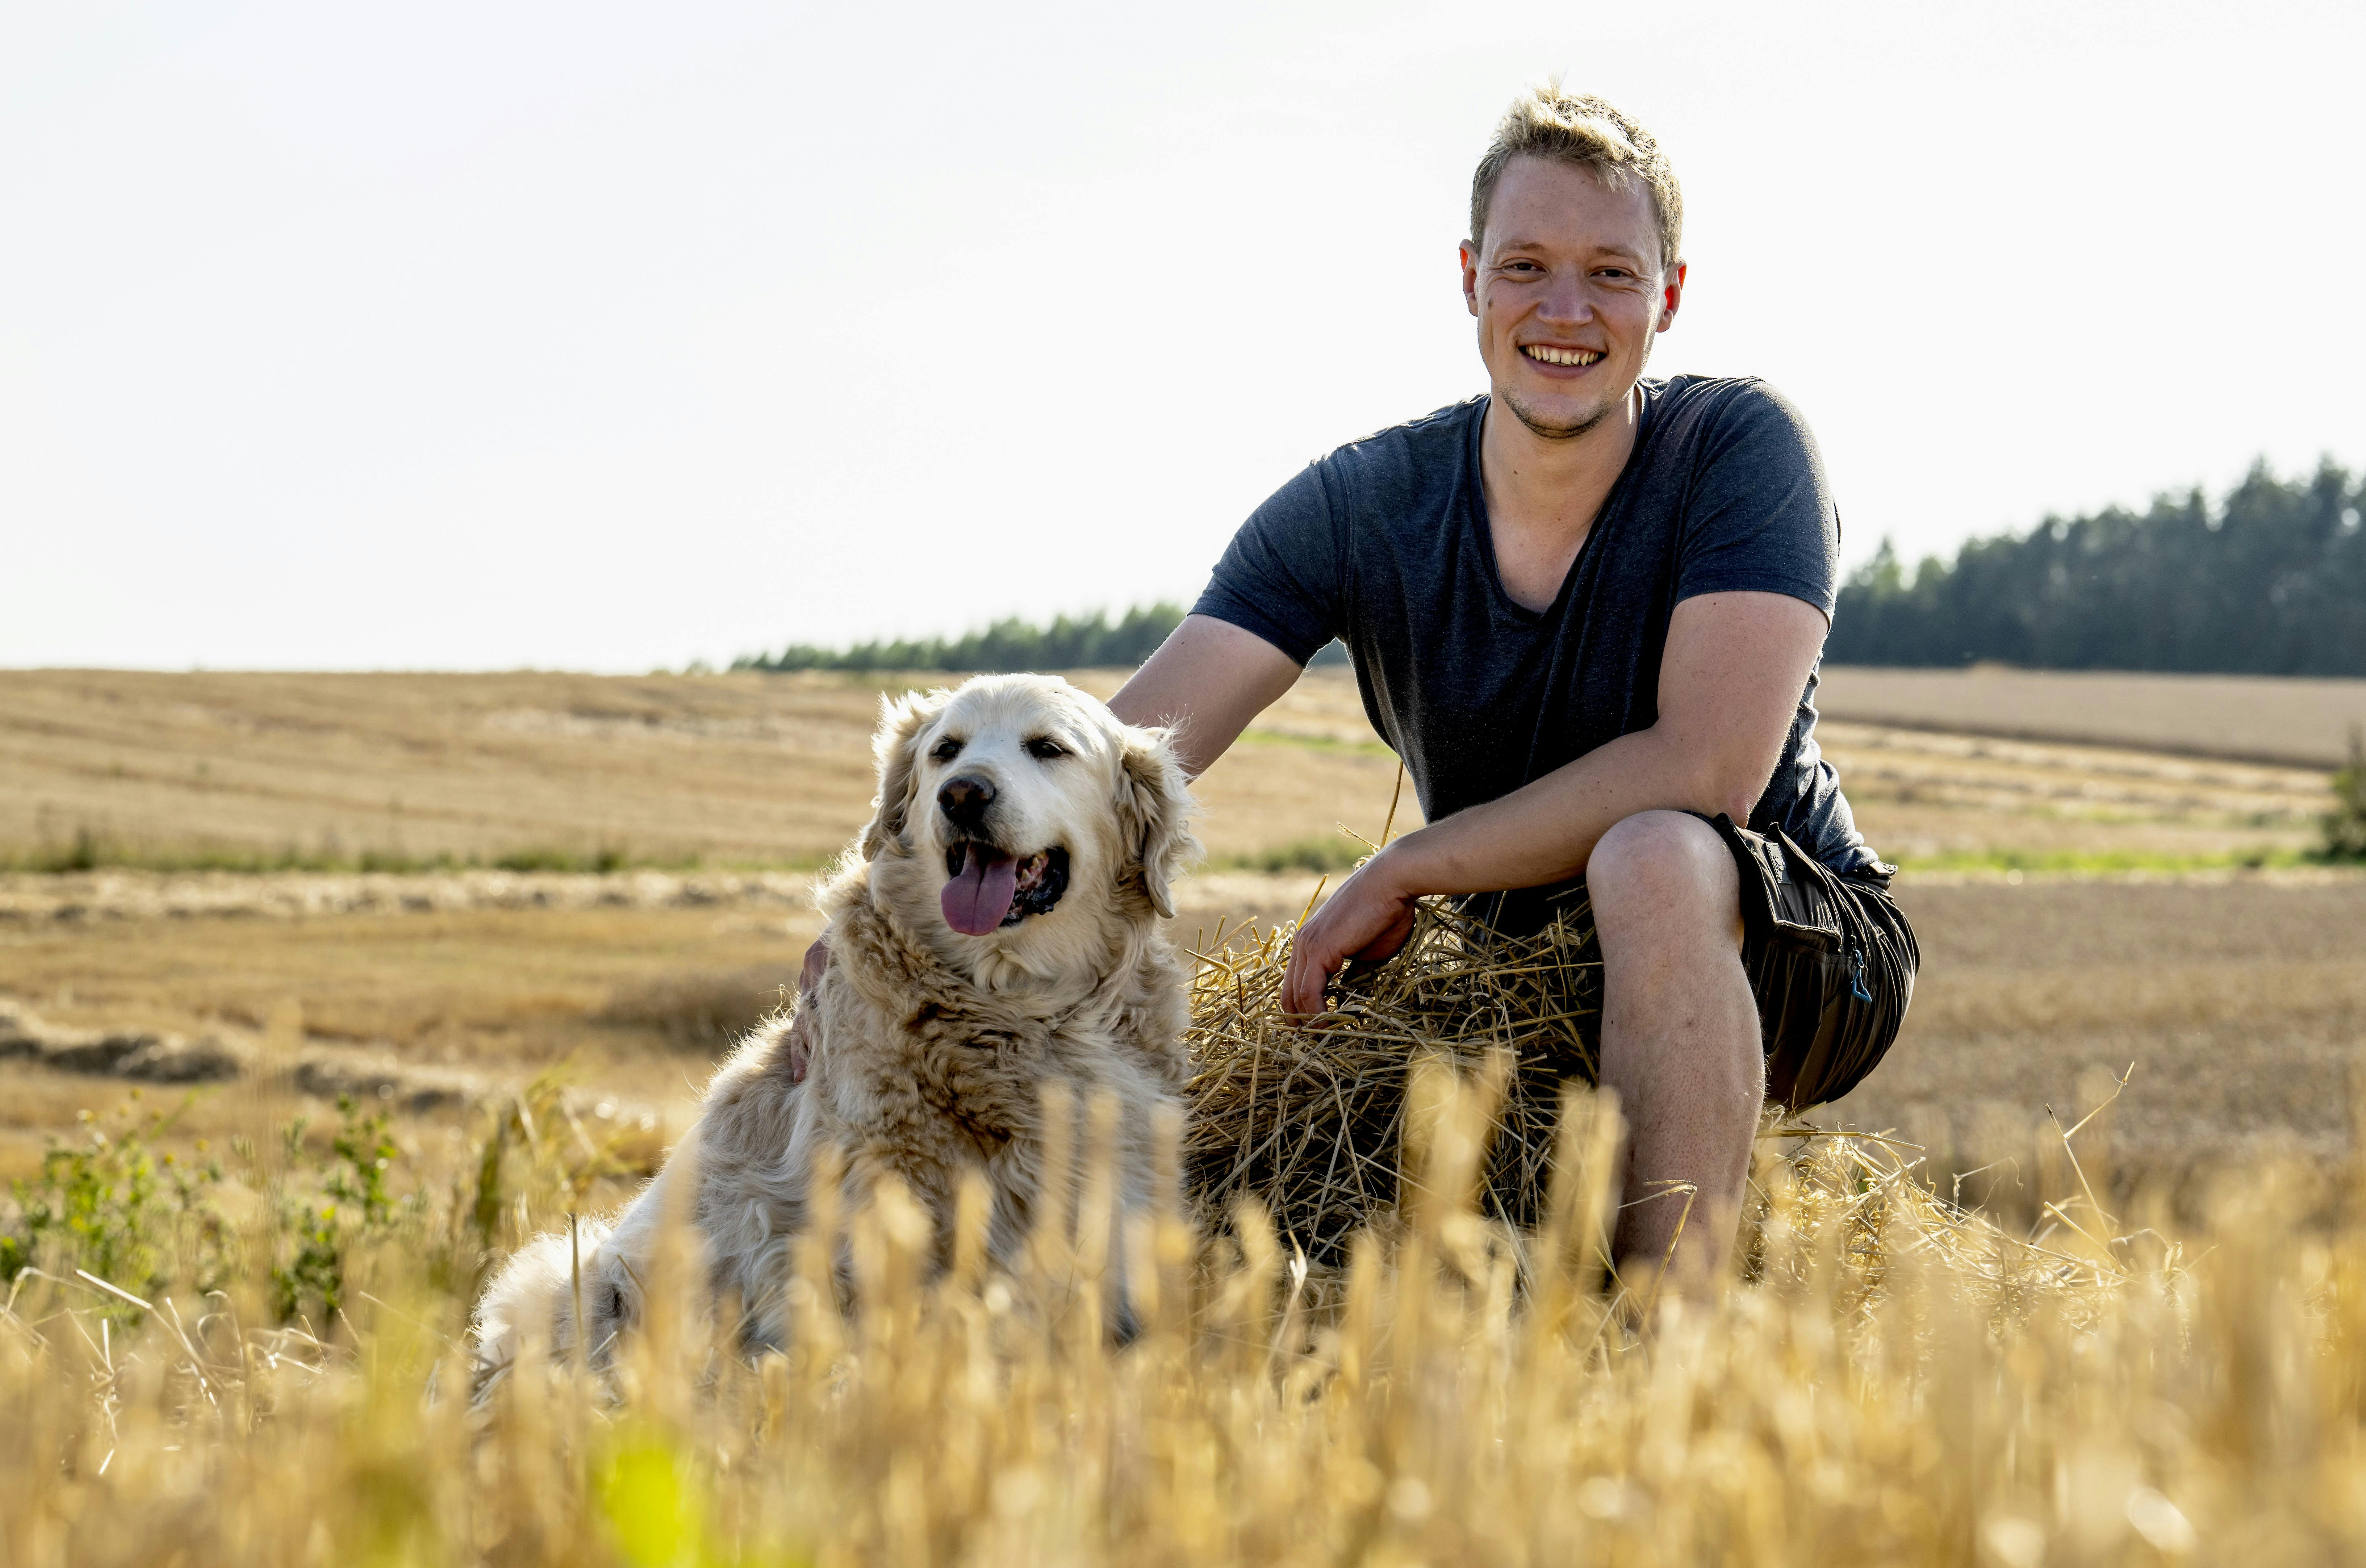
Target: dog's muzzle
<point x="988" y="887"/>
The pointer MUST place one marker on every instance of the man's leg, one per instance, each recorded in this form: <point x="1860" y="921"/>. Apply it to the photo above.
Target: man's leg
<point x="1680" y="1035"/>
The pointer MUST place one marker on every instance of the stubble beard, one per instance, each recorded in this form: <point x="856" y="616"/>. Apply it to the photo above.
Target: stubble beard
<point x="1546" y="429"/>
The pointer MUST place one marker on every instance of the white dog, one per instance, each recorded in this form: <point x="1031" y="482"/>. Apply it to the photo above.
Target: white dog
<point x="994" y="929"/>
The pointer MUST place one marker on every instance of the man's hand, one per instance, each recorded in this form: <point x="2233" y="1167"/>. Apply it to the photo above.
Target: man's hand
<point x="1368" y="919"/>
<point x="800" y="1039"/>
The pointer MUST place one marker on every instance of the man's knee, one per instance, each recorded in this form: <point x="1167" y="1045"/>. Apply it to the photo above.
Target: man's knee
<point x="1665" y="863"/>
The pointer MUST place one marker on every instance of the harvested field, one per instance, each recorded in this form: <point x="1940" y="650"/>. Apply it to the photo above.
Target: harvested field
<point x="737" y="770"/>
<point x="2293" y="721"/>
<point x="2240" y="1002"/>
<point x="758" y="771"/>
<point x="413" y="979"/>
<point x="2239" y="1025"/>
<point x="1894" y="1383"/>
<point x="1933" y="800"/>
<point x="2240" y="997"/>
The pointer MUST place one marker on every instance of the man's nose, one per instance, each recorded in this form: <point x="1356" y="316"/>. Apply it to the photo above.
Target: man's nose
<point x="963" y="801"/>
<point x="1566" y="300"/>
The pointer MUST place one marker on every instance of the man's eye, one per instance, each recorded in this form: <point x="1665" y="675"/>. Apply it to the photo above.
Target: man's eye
<point x="1045" y="747"/>
<point x="947" y="749"/>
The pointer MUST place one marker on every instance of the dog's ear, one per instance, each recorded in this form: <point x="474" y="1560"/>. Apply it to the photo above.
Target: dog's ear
<point x="901" y="719"/>
<point x="1154" y="811"/>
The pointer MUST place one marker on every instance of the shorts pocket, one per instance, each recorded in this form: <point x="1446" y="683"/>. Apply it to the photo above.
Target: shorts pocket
<point x="1800" y="905"/>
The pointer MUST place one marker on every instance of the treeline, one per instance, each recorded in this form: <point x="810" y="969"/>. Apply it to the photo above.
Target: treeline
<point x="2269" y="581"/>
<point x="1013" y="643"/>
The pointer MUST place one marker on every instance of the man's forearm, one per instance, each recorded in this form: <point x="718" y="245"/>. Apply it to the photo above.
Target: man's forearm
<point x="1730" y="682"/>
<point x="1546" y="831"/>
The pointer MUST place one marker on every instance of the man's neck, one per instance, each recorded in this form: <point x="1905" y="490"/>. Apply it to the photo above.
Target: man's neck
<point x="1543" y="494"/>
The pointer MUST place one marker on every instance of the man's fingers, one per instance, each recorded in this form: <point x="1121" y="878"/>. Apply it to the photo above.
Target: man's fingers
<point x="1302" y="982"/>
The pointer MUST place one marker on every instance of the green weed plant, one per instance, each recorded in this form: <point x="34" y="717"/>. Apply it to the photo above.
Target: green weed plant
<point x="115" y="1203"/>
<point x="2345" y="825"/>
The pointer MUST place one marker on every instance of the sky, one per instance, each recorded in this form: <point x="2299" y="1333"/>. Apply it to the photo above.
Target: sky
<point x="611" y="337"/>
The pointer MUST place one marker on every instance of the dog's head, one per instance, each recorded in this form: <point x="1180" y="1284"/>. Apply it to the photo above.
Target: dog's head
<point x="1029" y="805"/>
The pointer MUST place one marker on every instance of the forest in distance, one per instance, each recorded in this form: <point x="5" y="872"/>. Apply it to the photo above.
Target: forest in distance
<point x="2269" y="578"/>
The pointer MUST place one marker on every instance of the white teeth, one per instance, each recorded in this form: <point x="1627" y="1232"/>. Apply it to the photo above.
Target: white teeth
<point x="1552" y="355"/>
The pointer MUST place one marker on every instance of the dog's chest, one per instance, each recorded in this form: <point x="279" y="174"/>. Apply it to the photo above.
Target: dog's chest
<point x="950" y="1080"/>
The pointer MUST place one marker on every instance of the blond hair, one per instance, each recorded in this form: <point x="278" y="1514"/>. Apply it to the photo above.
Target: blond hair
<point x="1584" y="133"/>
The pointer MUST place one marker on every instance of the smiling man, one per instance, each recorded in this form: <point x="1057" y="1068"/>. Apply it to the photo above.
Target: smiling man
<point x="1587" y="610"/>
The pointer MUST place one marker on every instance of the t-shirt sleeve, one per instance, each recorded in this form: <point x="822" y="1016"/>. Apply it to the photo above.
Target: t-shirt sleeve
<point x="1761" y="517"/>
<point x="1284" y="577"/>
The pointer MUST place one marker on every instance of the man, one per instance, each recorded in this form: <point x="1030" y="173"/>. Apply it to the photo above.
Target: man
<point x="1587" y="610"/>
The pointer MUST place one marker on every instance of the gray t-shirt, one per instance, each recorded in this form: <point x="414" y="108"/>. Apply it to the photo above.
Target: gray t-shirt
<point x="1384" y="544"/>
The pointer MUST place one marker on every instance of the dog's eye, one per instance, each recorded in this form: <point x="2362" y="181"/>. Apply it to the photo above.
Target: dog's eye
<point x="947" y="749"/>
<point x="1045" y="747"/>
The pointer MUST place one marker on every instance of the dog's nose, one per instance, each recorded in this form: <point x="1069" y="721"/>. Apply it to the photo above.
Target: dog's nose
<point x="963" y="801"/>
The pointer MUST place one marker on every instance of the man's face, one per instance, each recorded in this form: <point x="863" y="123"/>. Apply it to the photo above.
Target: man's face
<point x="1568" y="287"/>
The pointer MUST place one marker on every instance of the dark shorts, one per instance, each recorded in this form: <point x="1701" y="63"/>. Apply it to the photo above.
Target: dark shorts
<point x="1831" y="959"/>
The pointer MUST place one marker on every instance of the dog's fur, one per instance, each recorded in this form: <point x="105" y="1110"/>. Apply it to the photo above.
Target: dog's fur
<point x="930" y="1049"/>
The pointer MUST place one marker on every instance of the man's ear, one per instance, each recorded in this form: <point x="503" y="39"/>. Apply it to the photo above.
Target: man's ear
<point x="1154" y="811"/>
<point x="901" y="721"/>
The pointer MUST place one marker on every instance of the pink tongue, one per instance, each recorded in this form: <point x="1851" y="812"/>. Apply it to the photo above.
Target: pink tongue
<point x="976" y="900"/>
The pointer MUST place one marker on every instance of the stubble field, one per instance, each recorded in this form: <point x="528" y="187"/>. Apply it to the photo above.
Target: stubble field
<point x="2082" y="907"/>
<point x="517" y="916"/>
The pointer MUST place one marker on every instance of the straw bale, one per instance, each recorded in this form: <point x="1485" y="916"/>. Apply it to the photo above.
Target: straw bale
<point x="1307" y="1117"/>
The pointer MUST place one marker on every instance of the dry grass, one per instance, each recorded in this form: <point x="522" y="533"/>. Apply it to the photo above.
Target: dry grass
<point x="2291" y="721"/>
<point x="1890" y="1383"/>
<point x="1309" y="1123"/>
<point x="1888" y="1380"/>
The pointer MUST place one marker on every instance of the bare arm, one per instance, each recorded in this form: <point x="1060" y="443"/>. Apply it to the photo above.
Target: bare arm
<point x="1729" y="682"/>
<point x="1206" y="683"/>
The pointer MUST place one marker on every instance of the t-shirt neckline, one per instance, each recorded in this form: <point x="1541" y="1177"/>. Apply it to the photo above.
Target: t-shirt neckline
<point x="1474" y="513"/>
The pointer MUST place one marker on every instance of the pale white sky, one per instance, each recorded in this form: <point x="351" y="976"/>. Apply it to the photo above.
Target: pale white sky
<point x="608" y="336"/>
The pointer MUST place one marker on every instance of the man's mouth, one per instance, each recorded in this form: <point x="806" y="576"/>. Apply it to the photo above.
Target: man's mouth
<point x="1552" y="354"/>
<point x="988" y="887"/>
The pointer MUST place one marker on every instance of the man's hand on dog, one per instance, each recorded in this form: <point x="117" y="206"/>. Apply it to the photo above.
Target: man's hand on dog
<point x="1368" y="919"/>
<point x="801" y="1027"/>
